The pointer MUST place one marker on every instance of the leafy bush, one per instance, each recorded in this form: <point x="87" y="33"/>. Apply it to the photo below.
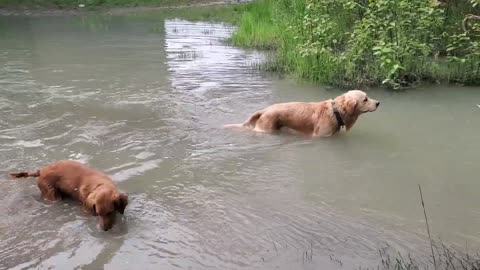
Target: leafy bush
<point x="358" y="42"/>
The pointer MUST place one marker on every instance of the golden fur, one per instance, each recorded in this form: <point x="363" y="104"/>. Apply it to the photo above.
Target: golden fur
<point x="95" y="190"/>
<point x="313" y="118"/>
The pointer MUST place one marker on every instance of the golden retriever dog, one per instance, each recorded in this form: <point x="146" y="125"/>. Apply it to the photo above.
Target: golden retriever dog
<point x="317" y="119"/>
<point x="92" y="188"/>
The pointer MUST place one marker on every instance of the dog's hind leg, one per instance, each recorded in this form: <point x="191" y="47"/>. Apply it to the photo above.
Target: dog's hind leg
<point x="268" y="123"/>
<point x="250" y="122"/>
<point x="49" y="192"/>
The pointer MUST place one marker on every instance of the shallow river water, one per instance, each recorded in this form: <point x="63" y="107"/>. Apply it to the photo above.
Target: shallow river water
<point x="145" y="100"/>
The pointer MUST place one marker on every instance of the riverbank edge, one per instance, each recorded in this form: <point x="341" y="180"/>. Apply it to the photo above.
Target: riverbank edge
<point x="43" y="11"/>
<point x="267" y="25"/>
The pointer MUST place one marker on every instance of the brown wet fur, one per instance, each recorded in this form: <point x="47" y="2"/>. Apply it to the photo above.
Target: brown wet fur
<point x="95" y="190"/>
<point x="311" y="118"/>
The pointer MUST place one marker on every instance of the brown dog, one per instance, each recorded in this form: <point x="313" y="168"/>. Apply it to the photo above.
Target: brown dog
<point x="321" y="119"/>
<point x="92" y="188"/>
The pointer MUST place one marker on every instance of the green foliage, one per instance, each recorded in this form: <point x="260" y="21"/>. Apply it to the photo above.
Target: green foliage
<point x="253" y="35"/>
<point x="358" y="42"/>
<point x="396" y="37"/>
<point x="258" y="29"/>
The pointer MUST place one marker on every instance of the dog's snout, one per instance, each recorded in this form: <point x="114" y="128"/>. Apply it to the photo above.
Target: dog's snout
<point x="106" y="227"/>
<point x="378" y="103"/>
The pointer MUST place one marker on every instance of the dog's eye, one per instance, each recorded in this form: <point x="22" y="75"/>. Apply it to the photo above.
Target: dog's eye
<point x="365" y="100"/>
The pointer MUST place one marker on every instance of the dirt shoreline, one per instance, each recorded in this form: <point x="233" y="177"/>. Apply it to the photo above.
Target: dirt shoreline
<point x="110" y="11"/>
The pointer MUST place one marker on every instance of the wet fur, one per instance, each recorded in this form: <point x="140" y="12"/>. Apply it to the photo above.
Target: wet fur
<point x="95" y="190"/>
<point x="312" y="118"/>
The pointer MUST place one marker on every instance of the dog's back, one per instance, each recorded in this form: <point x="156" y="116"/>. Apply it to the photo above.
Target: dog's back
<point x="71" y="178"/>
<point x="74" y="178"/>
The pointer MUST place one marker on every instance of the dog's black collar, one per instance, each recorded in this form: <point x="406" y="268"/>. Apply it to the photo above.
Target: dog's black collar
<point x="337" y="115"/>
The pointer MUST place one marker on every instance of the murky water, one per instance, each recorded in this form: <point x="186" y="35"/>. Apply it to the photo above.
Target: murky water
<point x="145" y="100"/>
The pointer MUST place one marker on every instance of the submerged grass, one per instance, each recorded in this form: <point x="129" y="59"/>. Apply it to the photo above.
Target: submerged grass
<point x="447" y="258"/>
<point x="442" y="256"/>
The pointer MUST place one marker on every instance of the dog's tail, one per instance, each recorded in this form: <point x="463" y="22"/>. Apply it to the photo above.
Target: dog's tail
<point x="250" y="122"/>
<point x="25" y="174"/>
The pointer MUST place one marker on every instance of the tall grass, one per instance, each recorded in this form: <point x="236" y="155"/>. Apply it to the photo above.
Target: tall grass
<point x="257" y="27"/>
<point x="448" y="258"/>
<point x="358" y="42"/>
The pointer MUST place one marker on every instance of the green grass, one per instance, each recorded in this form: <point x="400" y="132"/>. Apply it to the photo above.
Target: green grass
<point x="371" y="42"/>
<point x="257" y="27"/>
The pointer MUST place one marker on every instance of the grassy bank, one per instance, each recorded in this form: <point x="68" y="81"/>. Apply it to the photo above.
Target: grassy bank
<point x="359" y="42"/>
<point x="257" y="29"/>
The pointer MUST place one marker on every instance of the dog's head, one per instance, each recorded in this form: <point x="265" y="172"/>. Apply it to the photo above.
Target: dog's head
<point x="105" y="203"/>
<point x="357" y="102"/>
<point x="353" y="103"/>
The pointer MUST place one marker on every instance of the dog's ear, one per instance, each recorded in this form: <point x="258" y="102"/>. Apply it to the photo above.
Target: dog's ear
<point x="121" y="202"/>
<point x="90" y="204"/>
<point x="349" y="105"/>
